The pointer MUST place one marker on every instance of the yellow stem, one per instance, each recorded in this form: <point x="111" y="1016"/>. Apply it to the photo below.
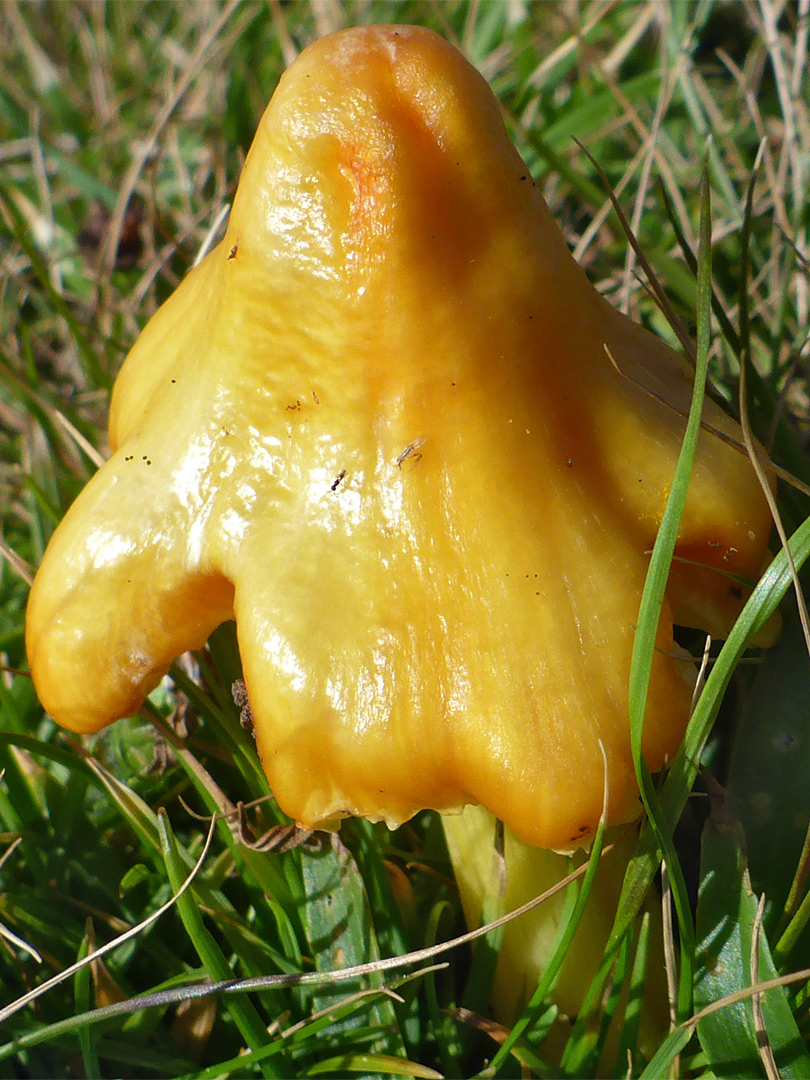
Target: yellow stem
<point x="529" y="941"/>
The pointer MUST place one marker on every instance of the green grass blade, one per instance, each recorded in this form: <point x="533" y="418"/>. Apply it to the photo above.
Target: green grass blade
<point x="243" y="1012"/>
<point x="674" y="1044"/>
<point x="370" y="1064"/>
<point x="81" y="989"/>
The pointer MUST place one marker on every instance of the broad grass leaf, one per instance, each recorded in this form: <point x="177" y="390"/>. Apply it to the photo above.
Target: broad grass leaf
<point x="726" y="914"/>
<point x="341" y="933"/>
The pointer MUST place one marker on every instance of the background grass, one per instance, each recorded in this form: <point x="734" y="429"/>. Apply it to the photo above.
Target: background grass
<point x="123" y="129"/>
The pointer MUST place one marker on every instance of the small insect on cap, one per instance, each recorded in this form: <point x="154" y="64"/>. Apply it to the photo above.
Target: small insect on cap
<point x="378" y="426"/>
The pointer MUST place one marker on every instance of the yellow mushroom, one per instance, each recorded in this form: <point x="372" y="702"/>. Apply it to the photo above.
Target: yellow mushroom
<point x="378" y="427"/>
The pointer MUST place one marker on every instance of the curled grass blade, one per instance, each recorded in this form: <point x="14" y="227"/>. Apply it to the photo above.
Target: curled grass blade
<point x="652" y="601"/>
<point x="677" y="785"/>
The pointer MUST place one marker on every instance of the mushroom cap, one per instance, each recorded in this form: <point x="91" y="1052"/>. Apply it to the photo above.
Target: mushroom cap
<point x="378" y="427"/>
